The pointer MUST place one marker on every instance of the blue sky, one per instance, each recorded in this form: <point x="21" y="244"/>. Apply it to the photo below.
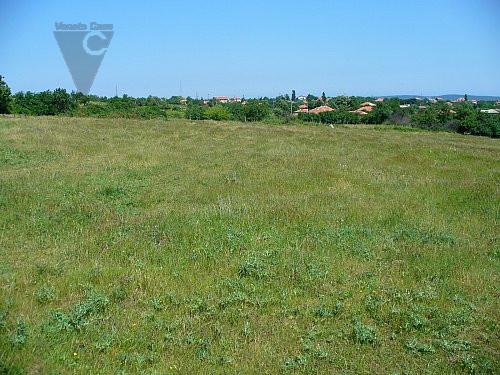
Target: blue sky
<point x="258" y="48"/>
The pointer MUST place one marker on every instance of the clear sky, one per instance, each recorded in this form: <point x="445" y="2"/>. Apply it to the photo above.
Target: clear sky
<point x="263" y="48"/>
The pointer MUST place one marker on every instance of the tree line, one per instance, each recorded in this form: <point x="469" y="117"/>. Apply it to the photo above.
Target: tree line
<point x="464" y="117"/>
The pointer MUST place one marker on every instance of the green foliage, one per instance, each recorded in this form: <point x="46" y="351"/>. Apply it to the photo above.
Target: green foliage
<point x="46" y="103"/>
<point x="20" y="335"/>
<point x="379" y="115"/>
<point x="345" y="103"/>
<point x="467" y="120"/>
<point x="237" y="111"/>
<point x="339" y="117"/>
<point x="79" y="315"/>
<point x="364" y="334"/>
<point x="252" y="268"/>
<point x="256" y="110"/>
<point x="195" y="111"/>
<point x="416" y="346"/>
<point x="326" y="311"/>
<point x="45" y="294"/>
<point x="309" y="117"/>
<point x="281" y="109"/>
<point x="217" y="113"/>
<point x="10" y="369"/>
<point x="5" y="98"/>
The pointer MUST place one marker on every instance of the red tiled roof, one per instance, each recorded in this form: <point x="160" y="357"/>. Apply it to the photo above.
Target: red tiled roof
<point x="359" y="112"/>
<point x="323" y="108"/>
<point x="365" y="108"/>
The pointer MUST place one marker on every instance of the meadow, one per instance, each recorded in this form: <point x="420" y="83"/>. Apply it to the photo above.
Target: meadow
<point x="183" y="247"/>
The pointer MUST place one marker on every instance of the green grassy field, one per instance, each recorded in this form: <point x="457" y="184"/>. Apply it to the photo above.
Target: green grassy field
<point x="180" y="247"/>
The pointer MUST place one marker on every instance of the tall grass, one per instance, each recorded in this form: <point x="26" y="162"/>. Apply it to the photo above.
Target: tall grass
<point x="198" y="247"/>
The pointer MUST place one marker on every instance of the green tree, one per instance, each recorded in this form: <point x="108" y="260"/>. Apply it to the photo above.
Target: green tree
<point x="294" y="98"/>
<point x="346" y="103"/>
<point x="256" y="110"/>
<point x="237" y="111"/>
<point x="218" y="113"/>
<point x="195" y="111"/>
<point x="323" y="97"/>
<point x="61" y="102"/>
<point x="5" y="98"/>
<point x="281" y="109"/>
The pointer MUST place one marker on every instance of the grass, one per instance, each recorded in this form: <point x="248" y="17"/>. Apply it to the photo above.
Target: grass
<point x="184" y="247"/>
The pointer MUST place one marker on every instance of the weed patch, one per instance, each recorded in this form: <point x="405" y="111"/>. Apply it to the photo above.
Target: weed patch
<point x="80" y="315"/>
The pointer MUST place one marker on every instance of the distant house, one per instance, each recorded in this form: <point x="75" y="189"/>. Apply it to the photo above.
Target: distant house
<point x="226" y="99"/>
<point x="321" y="109"/>
<point x="368" y="104"/>
<point x="302" y="98"/>
<point x="221" y="99"/>
<point x="422" y="107"/>
<point x="491" y="111"/>
<point x="404" y="106"/>
<point x="365" y="108"/>
<point x="183" y="100"/>
<point x="359" y="112"/>
<point x="301" y="110"/>
<point x="379" y="100"/>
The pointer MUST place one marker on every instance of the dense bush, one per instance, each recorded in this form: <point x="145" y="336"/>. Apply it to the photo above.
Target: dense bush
<point x="253" y="110"/>
<point x="218" y="113"/>
<point x="332" y="117"/>
<point x="5" y="97"/>
<point x="195" y="111"/>
<point x="256" y="110"/>
<point x="435" y="117"/>
<point x="339" y="117"/>
<point x="379" y="115"/>
<point x="309" y="117"/>
<point x="237" y="111"/>
<point x="465" y="119"/>
<point x="43" y="103"/>
<point x="60" y="102"/>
